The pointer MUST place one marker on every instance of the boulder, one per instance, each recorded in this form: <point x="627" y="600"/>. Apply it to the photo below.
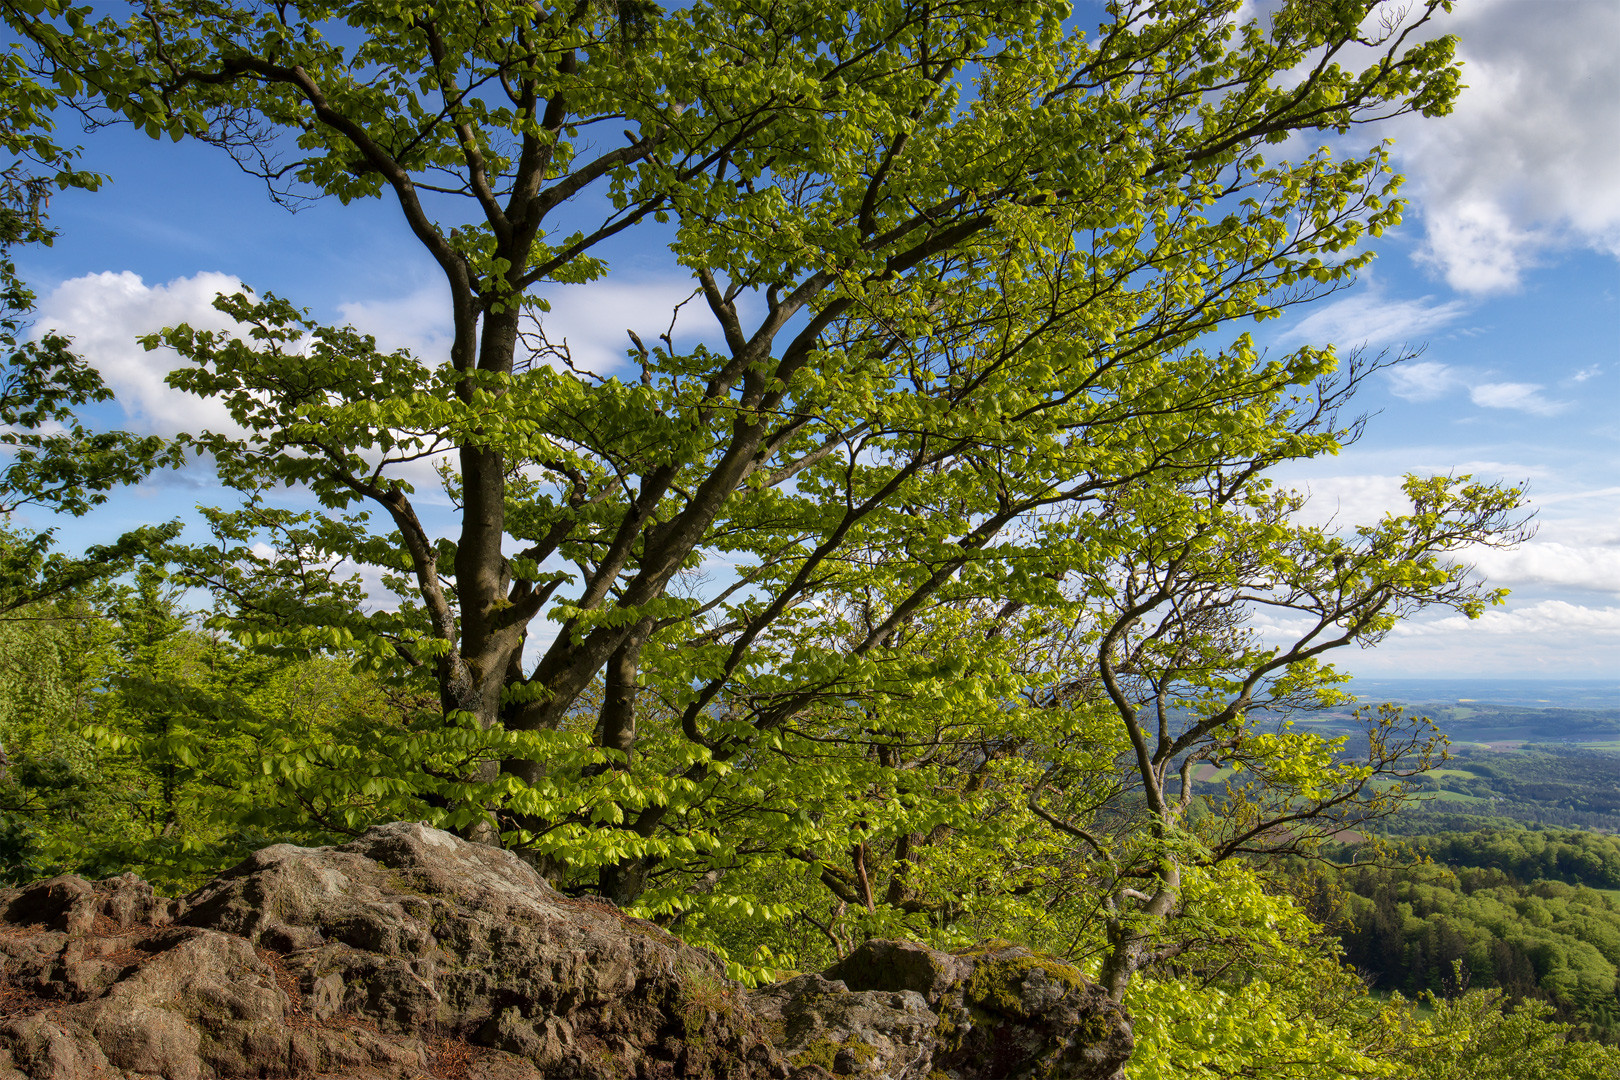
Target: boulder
<point x="1001" y="1012"/>
<point x="412" y="953"/>
<point x="823" y="1028"/>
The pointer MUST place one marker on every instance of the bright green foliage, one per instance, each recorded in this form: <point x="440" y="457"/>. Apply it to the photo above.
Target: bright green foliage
<point x="1001" y="235"/>
<point x="1254" y="990"/>
<point x="135" y="742"/>
<point x="980" y="449"/>
<point x="51" y="663"/>
<point x="1475" y="1038"/>
<point x="1313" y="1024"/>
<point x="1278" y="1003"/>
<point x="1543" y="940"/>
<point x="1567" y="855"/>
<point x="979" y="445"/>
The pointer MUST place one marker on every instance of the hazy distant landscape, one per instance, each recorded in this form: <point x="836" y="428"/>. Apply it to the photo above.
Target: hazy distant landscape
<point x="1533" y="693"/>
<point x="1518" y="887"/>
<point x="1523" y="752"/>
<point x="1499" y="714"/>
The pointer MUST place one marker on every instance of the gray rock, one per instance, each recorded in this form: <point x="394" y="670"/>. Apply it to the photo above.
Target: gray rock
<point x="902" y="965"/>
<point x="411" y="953"/>
<point x="1002" y="1012"/>
<point x="869" y="1033"/>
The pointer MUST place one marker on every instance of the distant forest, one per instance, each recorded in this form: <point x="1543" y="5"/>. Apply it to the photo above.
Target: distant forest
<point x="1504" y="873"/>
<point x="1545" y="784"/>
<point x="1516" y="909"/>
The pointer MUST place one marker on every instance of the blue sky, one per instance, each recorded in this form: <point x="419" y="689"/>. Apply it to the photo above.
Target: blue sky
<point x="1506" y="275"/>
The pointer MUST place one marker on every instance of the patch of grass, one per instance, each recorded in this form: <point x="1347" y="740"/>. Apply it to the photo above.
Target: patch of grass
<point x="1452" y="797"/>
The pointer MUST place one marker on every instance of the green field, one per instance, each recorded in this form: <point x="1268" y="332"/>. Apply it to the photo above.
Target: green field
<point x="1452" y="797"/>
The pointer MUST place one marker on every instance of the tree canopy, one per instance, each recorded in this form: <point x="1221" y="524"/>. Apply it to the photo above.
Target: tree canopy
<point x="921" y="594"/>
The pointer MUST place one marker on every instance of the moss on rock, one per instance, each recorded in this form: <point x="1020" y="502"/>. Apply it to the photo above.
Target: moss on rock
<point x="997" y="983"/>
<point x="839" y="1058"/>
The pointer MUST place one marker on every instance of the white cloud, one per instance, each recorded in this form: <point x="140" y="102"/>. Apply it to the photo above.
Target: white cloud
<point x="1422" y="380"/>
<point x="1578" y="496"/>
<point x="104" y="313"/>
<point x="1274" y="627"/>
<point x="1576" y="547"/>
<point x="1548" y="562"/>
<point x="1367" y="317"/>
<point x="591" y="319"/>
<point x="1547" y="638"/>
<point x="1545" y="619"/>
<point x="418" y="322"/>
<point x="1347" y="501"/>
<point x="588" y="319"/>
<point x="1476" y="247"/>
<point x="1528" y="162"/>
<point x="1430" y="380"/>
<point x="1526" y="397"/>
<point x="1580" y="552"/>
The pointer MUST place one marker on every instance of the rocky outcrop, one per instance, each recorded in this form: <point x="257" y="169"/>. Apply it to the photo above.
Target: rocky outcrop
<point x="410" y="953"/>
<point x="901" y="1010"/>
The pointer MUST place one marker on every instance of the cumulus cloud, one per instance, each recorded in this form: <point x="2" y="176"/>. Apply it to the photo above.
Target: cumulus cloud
<point x="1351" y="499"/>
<point x="1545" y="618"/>
<point x="417" y="322"/>
<point x="590" y="320"/>
<point x="1540" y="638"/>
<point x="104" y="314"/>
<point x="1576" y="548"/>
<point x="1561" y="619"/>
<point x="1549" y="562"/>
<point x="1528" y="162"/>
<point x="1547" y="638"/>
<point x="587" y="321"/>
<point x="1347" y="501"/>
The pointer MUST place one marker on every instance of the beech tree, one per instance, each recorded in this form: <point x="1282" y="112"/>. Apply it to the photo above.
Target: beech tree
<point x="1044" y="769"/>
<point x="968" y="263"/>
<point x="1174" y="655"/>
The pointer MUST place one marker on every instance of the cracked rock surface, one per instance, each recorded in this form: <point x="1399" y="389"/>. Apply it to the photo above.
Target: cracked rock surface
<point x="410" y="953"/>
